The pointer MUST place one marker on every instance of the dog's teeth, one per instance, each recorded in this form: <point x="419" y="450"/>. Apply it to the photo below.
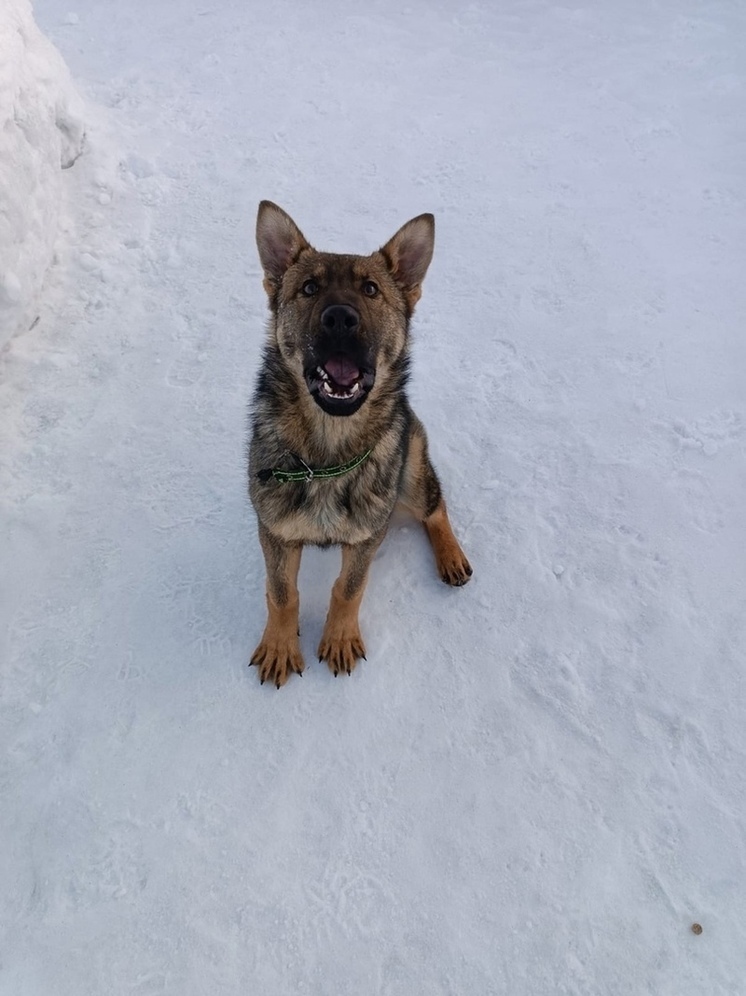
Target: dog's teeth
<point x="342" y="395"/>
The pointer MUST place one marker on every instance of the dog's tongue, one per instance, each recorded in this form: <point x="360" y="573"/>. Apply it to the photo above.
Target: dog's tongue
<point x="342" y="371"/>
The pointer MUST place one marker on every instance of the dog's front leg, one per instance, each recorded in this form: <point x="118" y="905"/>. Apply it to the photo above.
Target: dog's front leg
<point x="341" y="643"/>
<point x="278" y="654"/>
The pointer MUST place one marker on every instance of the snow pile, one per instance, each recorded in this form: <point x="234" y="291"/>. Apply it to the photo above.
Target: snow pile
<point x="40" y="131"/>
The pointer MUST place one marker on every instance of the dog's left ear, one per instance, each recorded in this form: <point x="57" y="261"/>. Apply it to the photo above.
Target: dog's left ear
<point x="279" y="241"/>
<point x="408" y="255"/>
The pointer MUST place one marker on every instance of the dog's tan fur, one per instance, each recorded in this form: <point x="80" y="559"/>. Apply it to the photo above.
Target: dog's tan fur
<point x="291" y="429"/>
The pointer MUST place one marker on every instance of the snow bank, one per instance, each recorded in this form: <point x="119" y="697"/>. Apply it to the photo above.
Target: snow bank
<point x="41" y="132"/>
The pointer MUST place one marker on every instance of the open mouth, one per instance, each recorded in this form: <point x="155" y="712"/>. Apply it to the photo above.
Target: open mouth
<point x="338" y="385"/>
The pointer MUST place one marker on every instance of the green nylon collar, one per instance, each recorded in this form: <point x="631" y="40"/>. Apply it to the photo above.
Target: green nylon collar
<point x="309" y="474"/>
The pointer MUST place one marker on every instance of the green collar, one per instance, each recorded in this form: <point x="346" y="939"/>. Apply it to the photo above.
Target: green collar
<point x="309" y="474"/>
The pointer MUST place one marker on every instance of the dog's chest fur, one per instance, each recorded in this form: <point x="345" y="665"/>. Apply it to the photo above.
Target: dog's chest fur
<point x="349" y="509"/>
<point x="315" y="512"/>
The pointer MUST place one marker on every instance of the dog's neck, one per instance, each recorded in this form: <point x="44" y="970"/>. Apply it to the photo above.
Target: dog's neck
<point x="331" y="439"/>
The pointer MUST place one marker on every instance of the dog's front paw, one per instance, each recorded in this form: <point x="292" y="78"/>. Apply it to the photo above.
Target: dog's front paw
<point x="341" y="647"/>
<point x="277" y="659"/>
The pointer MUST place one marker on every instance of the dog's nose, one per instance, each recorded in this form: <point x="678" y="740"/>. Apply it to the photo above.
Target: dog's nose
<point x="340" y="318"/>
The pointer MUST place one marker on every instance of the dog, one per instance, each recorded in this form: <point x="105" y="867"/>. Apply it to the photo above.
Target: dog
<point x="335" y="444"/>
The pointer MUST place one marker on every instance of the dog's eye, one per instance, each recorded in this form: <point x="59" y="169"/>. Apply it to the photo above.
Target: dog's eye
<point x="310" y="287"/>
<point x="370" y="289"/>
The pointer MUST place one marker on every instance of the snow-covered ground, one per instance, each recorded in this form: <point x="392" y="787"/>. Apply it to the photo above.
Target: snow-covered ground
<point x="41" y="133"/>
<point x="535" y="785"/>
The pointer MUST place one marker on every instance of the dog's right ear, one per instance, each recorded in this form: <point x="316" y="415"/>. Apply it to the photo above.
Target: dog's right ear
<point x="279" y="241"/>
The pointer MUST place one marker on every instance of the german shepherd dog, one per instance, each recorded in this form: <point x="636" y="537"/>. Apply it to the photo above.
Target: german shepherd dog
<point x="334" y="442"/>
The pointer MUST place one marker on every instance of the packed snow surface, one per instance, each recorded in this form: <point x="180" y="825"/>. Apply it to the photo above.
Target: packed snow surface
<point x="534" y="785"/>
<point x="41" y="133"/>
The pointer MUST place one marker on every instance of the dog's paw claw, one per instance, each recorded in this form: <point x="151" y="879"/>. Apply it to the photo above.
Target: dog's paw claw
<point x="456" y="573"/>
<point x="277" y="659"/>
<point x="342" y="651"/>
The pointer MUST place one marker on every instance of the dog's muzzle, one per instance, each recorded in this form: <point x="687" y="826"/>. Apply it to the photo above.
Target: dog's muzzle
<point x="340" y="372"/>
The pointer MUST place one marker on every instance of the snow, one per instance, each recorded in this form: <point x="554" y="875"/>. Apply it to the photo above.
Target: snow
<point x="40" y="132"/>
<point x="534" y="785"/>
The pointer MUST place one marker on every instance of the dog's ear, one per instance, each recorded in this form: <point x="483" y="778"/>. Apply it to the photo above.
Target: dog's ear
<point x="278" y="239"/>
<point x="408" y="255"/>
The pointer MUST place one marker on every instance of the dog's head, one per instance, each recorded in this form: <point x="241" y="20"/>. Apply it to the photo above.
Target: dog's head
<point x="341" y="321"/>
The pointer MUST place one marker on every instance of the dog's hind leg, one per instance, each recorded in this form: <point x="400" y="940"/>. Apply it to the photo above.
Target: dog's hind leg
<point x="341" y="643"/>
<point x="278" y="653"/>
<point x="422" y="495"/>
<point x="450" y="559"/>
